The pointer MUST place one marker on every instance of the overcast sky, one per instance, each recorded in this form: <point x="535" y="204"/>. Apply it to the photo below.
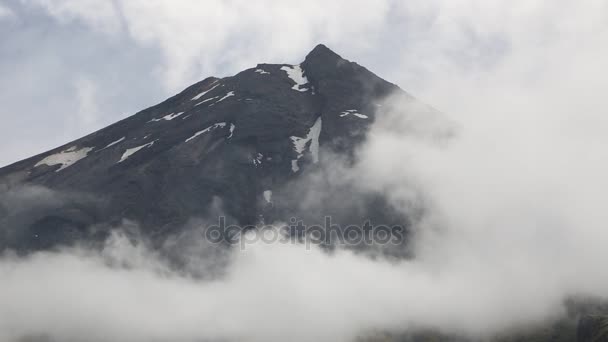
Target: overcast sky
<point x="70" y="67"/>
<point x="516" y="217"/>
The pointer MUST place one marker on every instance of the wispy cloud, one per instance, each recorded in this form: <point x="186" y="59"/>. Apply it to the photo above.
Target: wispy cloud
<point x="6" y="13"/>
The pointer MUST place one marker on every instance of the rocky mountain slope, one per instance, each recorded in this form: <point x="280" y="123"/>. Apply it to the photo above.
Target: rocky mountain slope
<point x="235" y="146"/>
<point x="257" y="147"/>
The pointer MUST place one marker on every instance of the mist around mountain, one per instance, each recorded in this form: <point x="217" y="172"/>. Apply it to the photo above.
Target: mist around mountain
<point x="107" y="238"/>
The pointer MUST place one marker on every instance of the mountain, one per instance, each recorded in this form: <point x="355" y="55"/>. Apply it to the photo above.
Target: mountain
<point x="235" y="146"/>
<point x="258" y="147"/>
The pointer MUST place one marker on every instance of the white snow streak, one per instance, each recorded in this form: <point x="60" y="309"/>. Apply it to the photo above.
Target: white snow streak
<point x="65" y="158"/>
<point x="232" y="127"/>
<point x="315" y="132"/>
<point x="204" y="92"/>
<point x="230" y="93"/>
<point x="262" y="72"/>
<point x="353" y="112"/>
<point x="300" y="143"/>
<point x="132" y="151"/>
<point x="297" y="75"/>
<point x="268" y="196"/>
<point x="207" y="100"/>
<point x="208" y="129"/>
<point x="113" y="143"/>
<point x="294" y="165"/>
<point x="168" y="117"/>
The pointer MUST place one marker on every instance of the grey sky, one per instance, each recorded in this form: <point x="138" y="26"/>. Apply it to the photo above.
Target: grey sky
<point x="516" y="201"/>
<point x="71" y="67"/>
<point x="61" y="81"/>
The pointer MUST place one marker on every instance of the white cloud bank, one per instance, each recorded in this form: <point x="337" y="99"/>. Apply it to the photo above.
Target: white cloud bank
<point x="270" y="293"/>
<point x="516" y="201"/>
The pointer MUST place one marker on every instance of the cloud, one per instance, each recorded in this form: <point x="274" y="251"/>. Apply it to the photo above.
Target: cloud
<point x="514" y="196"/>
<point x="6" y="13"/>
<point x="514" y="201"/>
<point x="87" y="93"/>
<point x="269" y="293"/>
<point x="198" y="38"/>
<point x="99" y="15"/>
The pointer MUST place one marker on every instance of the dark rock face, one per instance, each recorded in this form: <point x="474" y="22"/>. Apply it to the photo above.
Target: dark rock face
<point x="593" y="328"/>
<point x="246" y="142"/>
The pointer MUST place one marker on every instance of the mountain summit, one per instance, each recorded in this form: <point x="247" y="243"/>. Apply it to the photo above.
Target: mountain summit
<point x="235" y="147"/>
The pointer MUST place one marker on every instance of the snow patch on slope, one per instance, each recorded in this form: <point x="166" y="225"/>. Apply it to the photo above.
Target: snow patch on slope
<point x="262" y="72"/>
<point x="300" y="144"/>
<point x="229" y="94"/>
<point x="208" y="129"/>
<point x="355" y="113"/>
<point x="297" y="75"/>
<point x="207" y="100"/>
<point x="113" y="143"/>
<point x="205" y="92"/>
<point x="65" y="158"/>
<point x="131" y="151"/>
<point x="268" y="196"/>
<point x="168" y="117"/>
